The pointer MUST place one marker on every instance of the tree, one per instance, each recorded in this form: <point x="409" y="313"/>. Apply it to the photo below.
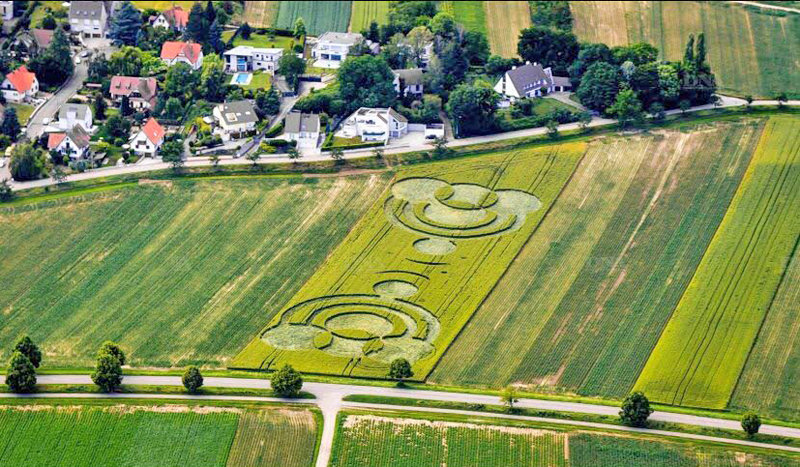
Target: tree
<point x="551" y="14"/>
<point x="211" y="12"/>
<point x="299" y="28"/>
<point x="214" y="158"/>
<point x="657" y="111"/>
<point x="54" y="65"/>
<point x="192" y="379"/>
<point x="553" y="48"/>
<point x="172" y="152"/>
<point x="99" y="106"/>
<point x="599" y="86"/>
<point x="669" y="84"/>
<point x="214" y="42"/>
<point x="509" y="397"/>
<point x="253" y="157"/>
<point x="373" y="33"/>
<point x="57" y="174"/>
<point x="497" y="65"/>
<point x="473" y="106"/>
<point x="290" y="66"/>
<point x="688" y="54"/>
<point x="584" y="119"/>
<point x="181" y="82"/>
<point x="197" y="27"/>
<point x="684" y="105"/>
<point x="645" y="83"/>
<point x="27" y="162"/>
<point x="125" y="106"/>
<point x="173" y="109"/>
<point x="749" y="100"/>
<point x="117" y="127"/>
<point x="245" y="30"/>
<point x="269" y="102"/>
<point x="700" y="55"/>
<point x="21" y="375"/>
<point x="552" y="129"/>
<point x="293" y="154"/>
<point x="589" y="54"/>
<point x="108" y="370"/>
<point x="399" y="370"/>
<point x="287" y="382"/>
<point x="638" y="54"/>
<point x="98" y="69"/>
<point x="751" y="422"/>
<point x="10" y="125"/>
<point x="454" y="64"/>
<point x="6" y="193"/>
<point x="337" y="154"/>
<point x="626" y="108"/>
<point x="444" y="25"/>
<point x="26" y="347"/>
<point x="781" y="98"/>
<point x="111" y="348"/>
<point x="476" y="47"/>
<point x="635" y="410"/>
<point x="125" y="25"/>
<point x="366" y="81"/>
<point x="416" y="40"/>
<point x="49" y="22"/>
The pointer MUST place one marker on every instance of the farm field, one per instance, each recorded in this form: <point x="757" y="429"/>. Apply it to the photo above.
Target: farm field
<point x="739" y="39"/>
<point x="471" y="14"/>
<point x="703" y="349"/>
<point x="365" y="12"/>
<point x="319" y="17"/>
<point x="261" y="14"/>
<point x="45" y="434"/>
<point x="395" y="287"/>
<point x="177" y="274"/>
<point x="164" y="4"/>
<point x="609" y="262"/>
<point x="504" y="21"/>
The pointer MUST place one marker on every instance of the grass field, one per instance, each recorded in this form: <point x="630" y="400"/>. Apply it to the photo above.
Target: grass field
<point x="415" y="268"/>
<point x="365" y="12"/>
<point x="122" y="435"/>
<point x="165" y="4"/>
<point x="583" y="304"/>
<point x="261" y="40"/>
<point x="24" y="112"/>
<point x="261" y="14"/>
<point x="751" y="51"/>
<point x="176" y="274"/>
<point x="319" y="17"/>
<point x="703" y="349"/>
<point x="504" y="21"/>
<point x="471" y="14"/>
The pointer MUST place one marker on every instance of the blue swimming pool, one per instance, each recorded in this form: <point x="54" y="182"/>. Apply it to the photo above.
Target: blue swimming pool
<point x="242" y="78"/>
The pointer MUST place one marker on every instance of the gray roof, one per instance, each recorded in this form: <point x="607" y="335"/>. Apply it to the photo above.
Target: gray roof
<point x="86" y="10"/>
<point x="349" y="38"/>
<point x="237" y="112"/>
<point x="79" y="110"/>
<point x="562" y="81"/>
<point x="397" y="116"/>
<point x="526" y="76"/>
<point x="411" y="76"/>
<point x="79" y="136"/>
<point x="297" y="122"/>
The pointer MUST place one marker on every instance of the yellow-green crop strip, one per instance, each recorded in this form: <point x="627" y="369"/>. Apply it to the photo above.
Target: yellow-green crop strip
<point x="698" y="359"/>
<point x="431" y="271"/>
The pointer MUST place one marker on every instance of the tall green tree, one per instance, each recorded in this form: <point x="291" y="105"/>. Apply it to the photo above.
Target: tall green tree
<point x="108" y="370"/>
<point x="99" y="106"/>
<point x="54" y="65"/>
<point x="268" y="102"/>
<point x="599" y="86"/>
<point x="366" y="81"/>
<point x="172" y="153"/>
<point x="287" y="382"/>
<point x="476" y="47"/>
<point x="27" y="162"/>
<point x="635" y="410"/>
<point x="10" y="125"/>
<point x="21" y="375"/>
<point x="399" y="370"/>
<point x="214" y="42"/>
<point x="197" y="27"/>
<point x="751" y="423"/>
<point x="700" y="56"/>
<point x="473" y="106"/>
<point x="688" y="54"/>
<point x="299" y="28"/>
<point x="550" y="47"/>
<point x="125" y="25"/>
<point x="27" y="347"/>
<point x="627" y="108"/>
<point x="192" y="379"/>
<point x="290" y="66"/>
<point x="211" y="12"/>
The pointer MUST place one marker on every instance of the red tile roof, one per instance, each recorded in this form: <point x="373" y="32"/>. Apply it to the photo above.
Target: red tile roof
<point x="153" y="130"/>
<point x="21" y="79"/>
<point x="177" y="17"/>
<point x="171" y="50"/>
<point x="54" y="139"/>
<point x="125" y="85"/>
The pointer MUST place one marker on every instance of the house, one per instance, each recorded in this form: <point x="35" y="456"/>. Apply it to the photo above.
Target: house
<point x="73" y="143"/>
<point x="141" y="92"/>
<point x="7" y="10"/>
<point x="20" y="85"/>
<point x="411" y="81"/>
<point x="303" y="128"/>
<point x="173" y="52"/>
<point x="235" y="119"/>
<point x="529" y="80"/>
<point x="90" y="19"/>
<point x="247" y="58"/>
<point x="332" y="48"/>
<point x="31" y="42"/>
<point x="148" y="140"/>
<point x="175" y="18"/>
<point x="70" y="115"/>
<point x="374" y="124"/>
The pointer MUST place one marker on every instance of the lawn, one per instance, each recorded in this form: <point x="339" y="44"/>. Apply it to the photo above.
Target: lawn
<point x="24" y="112"/>
<point x="261" y="40"/>
<point x="164" y="4"/>
<point x="261" y="14"/>
<point x="703" y="349"/>
<point x="260" y="81"/>
<point x="504" y="21"/>
<point x="585" y="301"/>
<point x="41" y="11"/>
<point x="176" y="274"/>
<point x="471" y="14"/>
<point x="151" y="435"/>
<point x="365" y="12"/>
<point x="751" y="51"/>
<point x="396" y="286"/>
<point x="319" y="17"/>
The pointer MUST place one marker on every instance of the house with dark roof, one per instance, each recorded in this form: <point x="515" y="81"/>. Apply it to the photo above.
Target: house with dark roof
<point x="90" y="19"/>
<point x="70" y="115"/>
<point x="29" y="43"/>
<point x="148" y="140"/>
<point x="73" y="143"/>
<point x="530" y="80"/>
<point x="410" y="80"/>
<point x="141" y="92"/>
<point x="374" y="124"/>
<point x="235" y="119"/>
<point x="191" y="53"/>
<point x="175" y="18"/>
<point x="303" y="128"/>
<point x="20" y="85"/>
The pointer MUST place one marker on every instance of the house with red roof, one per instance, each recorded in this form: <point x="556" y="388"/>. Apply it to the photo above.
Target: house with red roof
<point x="73" y="143"/>
<point x="147" y="141"/>
<point x="20" y="85"/>
<point x="175" y="18"/>
<point x="191" y="53"/>
<point x="141" y="92"/>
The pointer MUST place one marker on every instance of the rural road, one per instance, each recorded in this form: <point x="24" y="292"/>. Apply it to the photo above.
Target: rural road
<point x="329" y="398"/>
<point x="282" y="159"/>
<point x="769" y="7"/>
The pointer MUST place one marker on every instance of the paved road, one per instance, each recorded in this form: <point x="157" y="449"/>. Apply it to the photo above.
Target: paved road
<point x="329" y="398"/>
<point x="770" y="7"/>
<point x="50" y="108"/>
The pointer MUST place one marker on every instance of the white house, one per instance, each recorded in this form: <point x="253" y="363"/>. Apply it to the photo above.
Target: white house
<point x="374" y="124"/>
<point x="332" y="48"/>
<point x="175" y="18"/>
<point x="73" y="143"/>
<point x="173" y="52"/>
<point x="70" y="115"/>
<point x="20" y="85"/>
<point x="90" y="19"/>
<point x="411" y="80"/>
<point x="7" y="10"/>
<point x="141" y="92"/>
<point x="235" y="119"/>
<point x="303" y="128"/>
<point x="529" y="80"/>
<point x="247" y="58"/>
<point x="147" y="141"/>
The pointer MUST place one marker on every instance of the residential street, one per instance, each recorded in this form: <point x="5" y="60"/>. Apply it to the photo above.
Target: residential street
<point x="50" y="108"/>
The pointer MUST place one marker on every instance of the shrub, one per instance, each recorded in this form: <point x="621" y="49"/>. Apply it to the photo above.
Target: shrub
<point x="635" y="410"/>
<point x="274" y="131"/>
<point x="287" y="382"/>
<point x="751" y="422"/>
<point x="192" y="379"/>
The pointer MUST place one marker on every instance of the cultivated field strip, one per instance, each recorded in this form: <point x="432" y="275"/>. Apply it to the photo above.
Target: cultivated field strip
<point x="365" y="12"/>
<point x="261" y="14"/>
<point x="470" y="14"/>
<point x="319" y="17"/>
<point x="703" y="349"/>
<point x="585" y="301"/>
<point x="504" y="21"/>
<point x="274" y="437"/>
<point x="751" y="51"/>
<point x="175" y="275"/>
<point x="418" y="264"/>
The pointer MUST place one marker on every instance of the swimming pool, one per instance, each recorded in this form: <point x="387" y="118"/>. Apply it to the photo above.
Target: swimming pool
<point x="242" y="79"/>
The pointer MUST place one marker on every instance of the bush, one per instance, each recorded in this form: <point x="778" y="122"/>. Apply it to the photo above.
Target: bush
<point x="751" y="423"/>
<point x="192" y="379"/>
<point x="274" y="131"/>
<point x="635" y="410"/>
<point x="287" y="382"/>
<point x="266" y="148"/>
